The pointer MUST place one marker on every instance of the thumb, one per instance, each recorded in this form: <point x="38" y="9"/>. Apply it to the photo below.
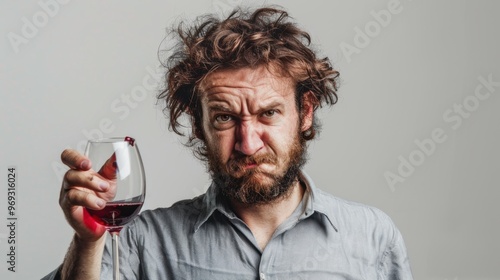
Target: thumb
<point x="109" y="169"/>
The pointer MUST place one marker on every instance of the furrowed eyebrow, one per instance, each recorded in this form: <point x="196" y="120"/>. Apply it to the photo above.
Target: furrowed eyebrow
<point x="270" y="106"/>
<point x="265" y="107"/>
<point x="218" y="107"/>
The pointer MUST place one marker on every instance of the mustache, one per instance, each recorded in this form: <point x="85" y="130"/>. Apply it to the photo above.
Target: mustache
<point x="239" y="162"/>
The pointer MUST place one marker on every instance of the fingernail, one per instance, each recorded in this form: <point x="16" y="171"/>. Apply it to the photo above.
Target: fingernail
<point x="84" y="164"/>
<point x="100" y="203"/>
<point x="103" y="185"/>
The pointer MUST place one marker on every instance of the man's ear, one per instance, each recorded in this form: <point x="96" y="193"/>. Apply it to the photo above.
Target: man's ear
<point x="309" y="104"/>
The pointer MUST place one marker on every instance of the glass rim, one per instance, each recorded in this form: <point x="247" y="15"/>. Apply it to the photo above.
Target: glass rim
<point x="109" y="140"/>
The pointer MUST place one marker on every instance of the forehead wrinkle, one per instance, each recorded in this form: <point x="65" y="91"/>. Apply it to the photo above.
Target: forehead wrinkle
<point x="258" y="76"/>
<point x="223" y="101"/>
<point x="239" y="89"/>
<point x="220" y="79"/>
<point x="263" y="104"/>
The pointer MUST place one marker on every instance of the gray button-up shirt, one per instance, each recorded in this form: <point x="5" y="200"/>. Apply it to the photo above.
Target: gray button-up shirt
<point x="325" y="238"/>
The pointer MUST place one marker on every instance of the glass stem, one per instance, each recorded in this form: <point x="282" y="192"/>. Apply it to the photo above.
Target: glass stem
<point x="116" y="256"/>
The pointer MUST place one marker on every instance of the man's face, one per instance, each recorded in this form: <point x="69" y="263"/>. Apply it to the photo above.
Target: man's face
<point x="252" y="129"/>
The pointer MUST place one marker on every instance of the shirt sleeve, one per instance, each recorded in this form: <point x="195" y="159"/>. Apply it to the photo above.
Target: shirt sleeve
<point x="54" y="275"/>
<point x="395" y="264"/>
<point x="129" y="259"/>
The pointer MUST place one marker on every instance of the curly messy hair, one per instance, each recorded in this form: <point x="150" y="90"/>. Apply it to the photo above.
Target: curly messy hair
<point x="266" y="36"/>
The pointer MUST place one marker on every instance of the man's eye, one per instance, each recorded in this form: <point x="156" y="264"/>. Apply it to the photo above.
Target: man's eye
<point x="269" y="113"/>
<point x="223" y="118"/>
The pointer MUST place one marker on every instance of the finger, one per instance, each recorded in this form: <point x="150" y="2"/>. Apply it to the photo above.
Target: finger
<point x="86" y="179"/>
<point x="110" y="167"/>
<point x="81" y="197"/>
<point x="75" y="160"/>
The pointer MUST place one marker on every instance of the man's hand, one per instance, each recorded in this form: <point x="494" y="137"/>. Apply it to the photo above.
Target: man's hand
<point x="82" y="188"/>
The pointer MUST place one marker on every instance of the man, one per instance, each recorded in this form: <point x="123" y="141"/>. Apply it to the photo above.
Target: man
<point x="250" y="86"/>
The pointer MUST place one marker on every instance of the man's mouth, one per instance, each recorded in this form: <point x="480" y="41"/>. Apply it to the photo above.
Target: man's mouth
<point x="249" y="163"/>
<point x="243" y="166"/>
<point x="252" y="165"/>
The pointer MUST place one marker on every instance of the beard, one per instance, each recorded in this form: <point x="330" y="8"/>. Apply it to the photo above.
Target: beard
<point x="255" y="186"/>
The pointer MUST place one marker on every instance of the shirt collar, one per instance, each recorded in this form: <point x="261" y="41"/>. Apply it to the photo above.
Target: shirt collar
<point x="211" y="202"/>
<point x="316" y="201"/>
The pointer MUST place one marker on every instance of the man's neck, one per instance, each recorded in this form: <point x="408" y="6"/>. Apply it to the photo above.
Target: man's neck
<point x="263" y="219"/>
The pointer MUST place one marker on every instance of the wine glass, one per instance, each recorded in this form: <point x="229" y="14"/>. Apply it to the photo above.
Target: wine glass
<point x="121" y="164"/>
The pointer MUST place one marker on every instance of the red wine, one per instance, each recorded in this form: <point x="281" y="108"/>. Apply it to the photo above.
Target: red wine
<point x="115" y="214"/>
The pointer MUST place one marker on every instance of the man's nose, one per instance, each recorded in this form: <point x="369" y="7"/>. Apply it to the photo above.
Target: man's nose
<point x="248" y="138"/>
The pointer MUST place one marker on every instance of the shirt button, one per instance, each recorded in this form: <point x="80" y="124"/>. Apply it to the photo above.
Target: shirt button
<point x="262" y="276"/>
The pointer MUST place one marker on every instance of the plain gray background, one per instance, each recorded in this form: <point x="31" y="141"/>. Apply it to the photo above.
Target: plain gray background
<point x="412" y="105"/>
